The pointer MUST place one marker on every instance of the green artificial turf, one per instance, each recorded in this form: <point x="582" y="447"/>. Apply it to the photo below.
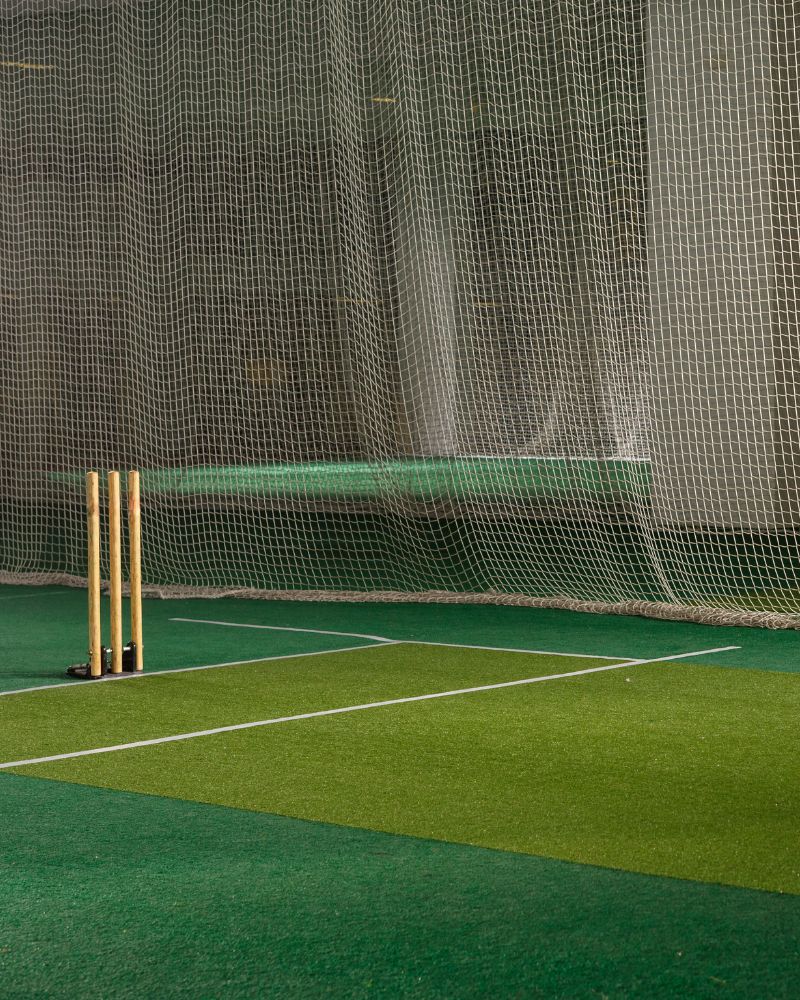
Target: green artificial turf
<point x="42" y="629"/>
<point x="125" y="896"/>
<point x="89" y="714"/>
<point x="670" y="769"/>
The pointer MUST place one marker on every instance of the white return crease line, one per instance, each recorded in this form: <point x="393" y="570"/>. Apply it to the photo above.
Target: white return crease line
<point x="415" y="642"/>
<point x="511" y="649"/>
<point x="283" y="628"/>
<point x="353" y="708"/>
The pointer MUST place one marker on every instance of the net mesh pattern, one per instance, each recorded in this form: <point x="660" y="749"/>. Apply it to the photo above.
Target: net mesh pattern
<point x="408" y="299"/>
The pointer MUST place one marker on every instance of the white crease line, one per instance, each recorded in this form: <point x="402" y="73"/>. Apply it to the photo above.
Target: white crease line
<point x="185" y="670"/>
<point x="416" y="642"/>
<point x="282" y="628"/>
<point x="353" y="708"/>
<point x="509" y="649"/>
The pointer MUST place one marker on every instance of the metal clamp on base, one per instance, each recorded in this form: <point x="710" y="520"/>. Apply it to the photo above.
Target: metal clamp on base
<point x="83" y="671"/>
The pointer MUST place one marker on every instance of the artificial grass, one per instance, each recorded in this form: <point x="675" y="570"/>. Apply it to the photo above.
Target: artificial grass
<point x="117" y="895"/>
<point x="42" y="629"/>
<point x="46" y="631"/>
<point x="676" y="770"/>
<point x="88" y="714"/>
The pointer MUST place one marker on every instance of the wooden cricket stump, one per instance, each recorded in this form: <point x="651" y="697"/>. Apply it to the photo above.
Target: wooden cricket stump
<point x="135" y="542"/>
<point x="124" y="659"/>
<point x="115" y="571"/>
<point x="93" y="573"/>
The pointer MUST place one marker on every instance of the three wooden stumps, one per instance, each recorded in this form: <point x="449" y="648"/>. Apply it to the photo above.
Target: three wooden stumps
<point x="122" y="658"/>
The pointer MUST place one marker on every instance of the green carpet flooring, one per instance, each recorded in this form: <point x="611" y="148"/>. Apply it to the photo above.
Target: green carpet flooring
<point x="686" y="769"/>
<point x="86" y="715"/>
<point x="115" y="895"/>
<point x="677" y="770"/>
<point x="43" y="629"/>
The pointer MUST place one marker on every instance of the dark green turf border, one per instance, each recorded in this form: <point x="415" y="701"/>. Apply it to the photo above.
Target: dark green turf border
<point x="127" y="896"/>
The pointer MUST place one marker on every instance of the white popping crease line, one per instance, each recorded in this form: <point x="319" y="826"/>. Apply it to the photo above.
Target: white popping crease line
<point x="351" y="708"/>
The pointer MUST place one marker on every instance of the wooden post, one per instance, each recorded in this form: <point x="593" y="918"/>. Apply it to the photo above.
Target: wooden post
<point x="115" y="559"/>
<point x="135" y="540"/>
<point x="93" y="572"/>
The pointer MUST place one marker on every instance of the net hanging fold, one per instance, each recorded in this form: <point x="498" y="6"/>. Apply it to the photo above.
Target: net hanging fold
<point x="470" y="300"/>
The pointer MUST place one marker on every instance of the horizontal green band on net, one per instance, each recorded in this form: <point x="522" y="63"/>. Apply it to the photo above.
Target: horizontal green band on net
<point x="418" y="479"/>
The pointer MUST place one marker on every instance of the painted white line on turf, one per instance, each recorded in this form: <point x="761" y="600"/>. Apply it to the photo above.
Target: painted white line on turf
<point x="185" y="670"/>
<point x="511" y="649"/>
<point x="283" y="628"/>
<point x="353" y="708"/>
<point x="416" y="642"/>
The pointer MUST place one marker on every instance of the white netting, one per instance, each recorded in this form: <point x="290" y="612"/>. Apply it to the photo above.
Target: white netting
<point x="446" y="299"/>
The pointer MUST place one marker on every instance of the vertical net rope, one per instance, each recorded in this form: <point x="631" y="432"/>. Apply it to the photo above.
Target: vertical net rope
<point x="467" y="300"/>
